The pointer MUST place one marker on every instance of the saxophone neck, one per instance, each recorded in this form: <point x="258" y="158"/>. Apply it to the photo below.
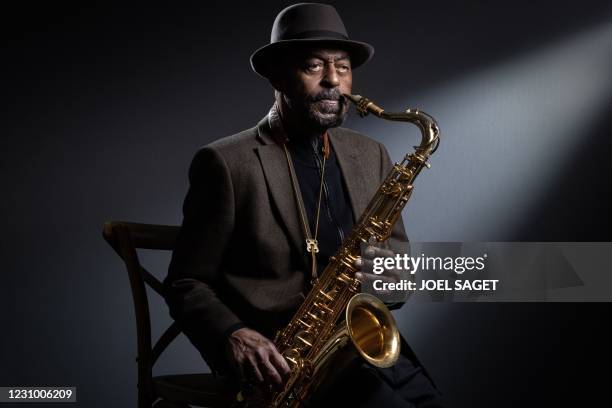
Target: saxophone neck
<point x="426" y="123"/>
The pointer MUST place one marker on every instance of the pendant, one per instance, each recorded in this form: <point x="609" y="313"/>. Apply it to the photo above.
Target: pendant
<point x="312" y="245"/>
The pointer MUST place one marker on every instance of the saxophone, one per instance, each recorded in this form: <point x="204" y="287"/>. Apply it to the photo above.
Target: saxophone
<point x="336" y="319"/>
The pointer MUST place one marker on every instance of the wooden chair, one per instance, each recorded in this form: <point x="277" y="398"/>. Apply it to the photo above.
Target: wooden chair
<point x="169" y="390"/>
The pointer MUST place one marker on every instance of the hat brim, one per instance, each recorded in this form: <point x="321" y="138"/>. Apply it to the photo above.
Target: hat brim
<point x="262" y="60"/>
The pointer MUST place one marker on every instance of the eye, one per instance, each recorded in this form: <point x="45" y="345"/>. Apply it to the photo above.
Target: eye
<point x="314" y="67"/>
<point x="343" y="68"/>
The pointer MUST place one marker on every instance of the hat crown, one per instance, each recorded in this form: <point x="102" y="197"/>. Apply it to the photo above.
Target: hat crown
<point x="308" y="20"/>
<point x="311" y="24"/>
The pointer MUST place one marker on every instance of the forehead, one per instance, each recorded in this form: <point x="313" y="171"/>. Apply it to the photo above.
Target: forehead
<point x="324" y="54"/>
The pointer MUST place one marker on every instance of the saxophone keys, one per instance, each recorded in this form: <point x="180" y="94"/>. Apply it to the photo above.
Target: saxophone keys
<point x="304" y="337"/>
<point x="323" y="307"/>
<point x="325" y="295"/>
<point x="343" y="277"/>
<point x="314" y="317"/>
<point x="303" y="323"/>
<point x="292" y="355"/>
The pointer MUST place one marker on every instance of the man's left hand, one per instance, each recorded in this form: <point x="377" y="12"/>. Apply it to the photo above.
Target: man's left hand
<point x="365" y="265"/>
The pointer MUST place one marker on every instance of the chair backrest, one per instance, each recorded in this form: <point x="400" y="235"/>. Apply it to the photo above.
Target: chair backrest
<point x="126" y="238"/>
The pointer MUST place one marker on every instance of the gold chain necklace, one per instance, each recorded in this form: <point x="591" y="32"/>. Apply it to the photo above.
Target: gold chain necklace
<point x="312" y="245"/>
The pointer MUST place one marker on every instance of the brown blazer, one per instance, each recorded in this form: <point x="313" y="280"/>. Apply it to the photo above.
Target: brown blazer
<point x="240" y="254"/>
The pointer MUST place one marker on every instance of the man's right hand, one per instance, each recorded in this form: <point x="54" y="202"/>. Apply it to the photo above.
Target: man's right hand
<point x="256" y="359"/>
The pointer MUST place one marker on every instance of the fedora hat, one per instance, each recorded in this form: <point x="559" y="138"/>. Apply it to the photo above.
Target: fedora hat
<point x="308" y="24"/>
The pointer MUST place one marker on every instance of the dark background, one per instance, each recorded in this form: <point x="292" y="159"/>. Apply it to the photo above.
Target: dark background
<point x="104" y="107"/>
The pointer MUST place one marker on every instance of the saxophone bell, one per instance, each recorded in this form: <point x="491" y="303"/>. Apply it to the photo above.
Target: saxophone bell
<point x="368" y="332"/>
<point x="373" y="330"/>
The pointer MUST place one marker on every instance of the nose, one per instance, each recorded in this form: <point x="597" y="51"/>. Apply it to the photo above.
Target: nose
<point x="330" y="78"/>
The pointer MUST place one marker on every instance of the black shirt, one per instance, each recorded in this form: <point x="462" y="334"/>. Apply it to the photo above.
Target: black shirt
<point x="336" y="216"/>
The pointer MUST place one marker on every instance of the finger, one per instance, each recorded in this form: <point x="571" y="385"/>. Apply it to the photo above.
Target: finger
<point x="280" y="363"/>
<point x="364" y="264"/>
<point x="367" y="265"/>
<point x="374" y="252"/>
<point x="270" y="373"/>
<point x="252" y="372"/>
<point x="367" y="279"/>
<point x="370" y="277"/>
<point x="369" y="251"/>
<point x="358" y="262"/>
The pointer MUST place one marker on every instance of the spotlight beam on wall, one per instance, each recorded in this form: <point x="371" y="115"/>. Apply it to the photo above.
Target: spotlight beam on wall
<point x="507" y="133"/>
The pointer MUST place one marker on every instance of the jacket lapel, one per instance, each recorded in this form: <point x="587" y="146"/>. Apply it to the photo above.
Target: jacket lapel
<point x="276" y="171"/>
<point x="352" y="171"/>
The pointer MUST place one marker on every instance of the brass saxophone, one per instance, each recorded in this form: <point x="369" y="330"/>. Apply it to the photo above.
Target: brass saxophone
<point x="335" y="316"/>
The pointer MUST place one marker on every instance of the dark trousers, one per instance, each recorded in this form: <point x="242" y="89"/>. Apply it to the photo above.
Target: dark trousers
<point x="403" y="386"/>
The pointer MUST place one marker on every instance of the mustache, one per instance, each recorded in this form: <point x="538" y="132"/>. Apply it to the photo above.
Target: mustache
<point x="330" y="94"/>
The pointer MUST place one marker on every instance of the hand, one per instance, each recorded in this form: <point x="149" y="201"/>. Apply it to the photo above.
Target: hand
<point x="365" y="265"/>
<point x="256" y="360"/>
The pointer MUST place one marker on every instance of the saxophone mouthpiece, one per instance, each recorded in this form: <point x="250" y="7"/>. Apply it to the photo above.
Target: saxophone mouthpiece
<point x="353" y="98"/>
<point x="364" y="105"/>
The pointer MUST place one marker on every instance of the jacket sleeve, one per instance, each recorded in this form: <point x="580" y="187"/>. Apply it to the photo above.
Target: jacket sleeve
<point x="197" y="260"/>
<point x="398" y="242"/>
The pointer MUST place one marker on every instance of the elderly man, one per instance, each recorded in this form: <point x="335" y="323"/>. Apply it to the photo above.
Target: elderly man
<point x="241" y="266"/>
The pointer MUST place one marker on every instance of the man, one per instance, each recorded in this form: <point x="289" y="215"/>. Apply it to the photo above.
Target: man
<point x="241" y="266"/>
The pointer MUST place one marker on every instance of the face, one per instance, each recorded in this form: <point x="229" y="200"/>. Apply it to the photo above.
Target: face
<point x="314" y="85"/>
